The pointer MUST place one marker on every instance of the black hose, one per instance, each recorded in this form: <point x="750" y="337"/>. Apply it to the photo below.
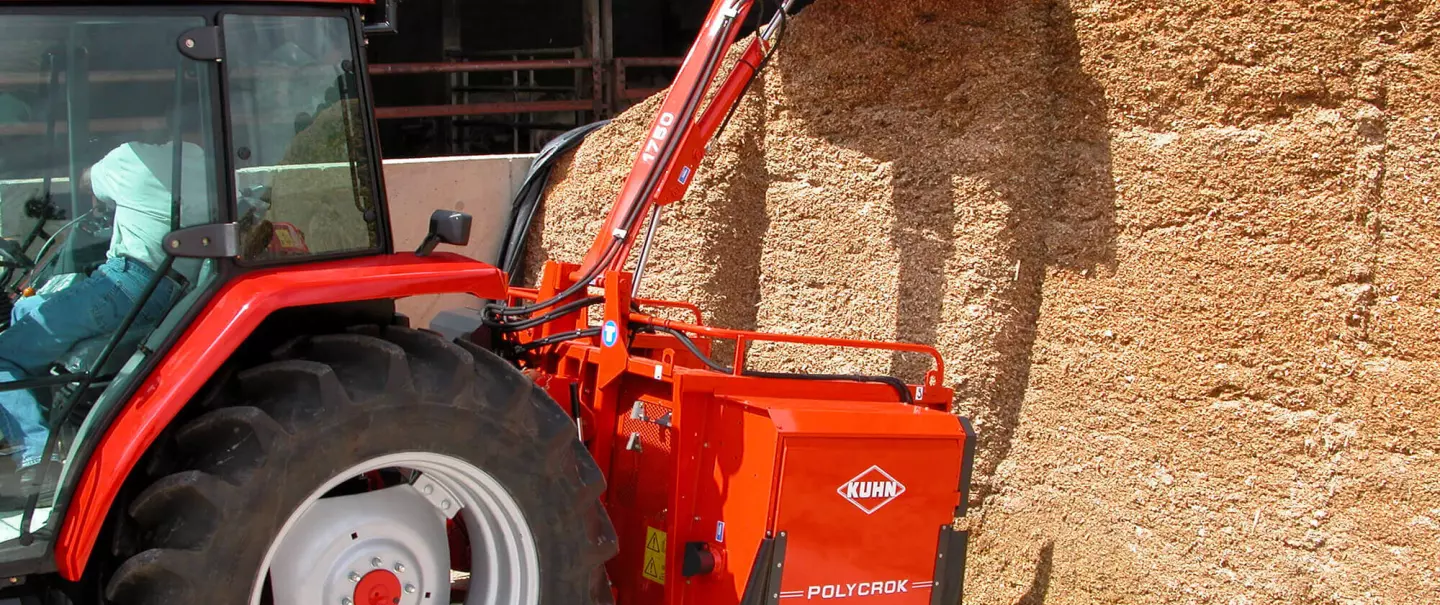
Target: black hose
<point x="527" y="200"/>
<point x="557" y="312"/>
<point x="557" y="338"/>
<point x="694" y="350"/>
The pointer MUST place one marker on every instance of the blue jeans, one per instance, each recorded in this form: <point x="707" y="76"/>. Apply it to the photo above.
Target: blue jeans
<point x="43" y="329"/>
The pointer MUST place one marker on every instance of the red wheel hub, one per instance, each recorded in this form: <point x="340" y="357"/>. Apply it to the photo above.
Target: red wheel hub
<point x="379" y="587"/>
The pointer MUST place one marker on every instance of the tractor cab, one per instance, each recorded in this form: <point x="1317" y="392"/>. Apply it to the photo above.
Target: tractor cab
<point x="147" y="155"/>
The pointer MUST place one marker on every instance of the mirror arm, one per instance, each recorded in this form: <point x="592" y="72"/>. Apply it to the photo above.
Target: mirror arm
<point x="386" y="24"/>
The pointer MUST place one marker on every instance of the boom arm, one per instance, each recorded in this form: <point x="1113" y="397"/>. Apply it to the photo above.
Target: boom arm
<point x="677" y="140"/>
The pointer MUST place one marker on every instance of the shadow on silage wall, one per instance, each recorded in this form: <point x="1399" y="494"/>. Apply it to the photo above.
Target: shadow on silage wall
<point x="1001" y="171"/>
<point x="1040" y="584"/>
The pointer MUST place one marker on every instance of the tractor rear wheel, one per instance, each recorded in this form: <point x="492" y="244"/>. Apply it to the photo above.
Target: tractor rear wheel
<point x="329" y="476"/>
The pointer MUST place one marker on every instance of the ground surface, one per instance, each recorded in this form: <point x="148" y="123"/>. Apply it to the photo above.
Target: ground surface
<point x="1180" y="259"/>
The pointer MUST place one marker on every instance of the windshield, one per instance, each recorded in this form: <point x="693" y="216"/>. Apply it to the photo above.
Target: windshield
<point x="107" y="143"/>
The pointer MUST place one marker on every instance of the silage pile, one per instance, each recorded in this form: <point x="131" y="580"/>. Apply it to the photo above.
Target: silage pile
<point x="1180" y="260"/>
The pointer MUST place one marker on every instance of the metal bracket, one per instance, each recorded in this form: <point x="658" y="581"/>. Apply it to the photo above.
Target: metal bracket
<point x="637" y="412"/>
<point x="950" y="553"/>
<point x="967" y="465"/>
<point x="216" y="240"/>
<point x="777" y="567"/>
<point x="202" y="44"/>
<point x="439" y="497"/>
<point x="385" y="19"/>
<point x="755" y="585"/>
<point x="763" y="585"/>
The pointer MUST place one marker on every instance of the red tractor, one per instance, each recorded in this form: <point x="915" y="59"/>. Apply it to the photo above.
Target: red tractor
<point x="207" y="396"/>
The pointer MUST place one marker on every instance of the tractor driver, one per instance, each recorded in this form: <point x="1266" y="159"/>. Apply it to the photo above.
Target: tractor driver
<point x="134" y="181"/>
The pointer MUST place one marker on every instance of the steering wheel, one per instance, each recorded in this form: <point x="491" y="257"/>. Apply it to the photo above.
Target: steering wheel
<point x="47" y="254"/>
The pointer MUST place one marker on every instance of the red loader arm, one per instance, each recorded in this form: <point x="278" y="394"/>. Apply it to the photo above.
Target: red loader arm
<point x="677" y="140"/>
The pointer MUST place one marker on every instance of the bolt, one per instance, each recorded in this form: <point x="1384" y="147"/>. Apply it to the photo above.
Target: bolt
<point x="410" y="589"/>
<point x="445" y="504"/>
<point x="429" y="489"/>
<point x="189" y="43"/>
<point x="354" y="577"/>
<point x="346" y="601"/>
<point x="400" y="568"/>
<point x="376" y="562"/>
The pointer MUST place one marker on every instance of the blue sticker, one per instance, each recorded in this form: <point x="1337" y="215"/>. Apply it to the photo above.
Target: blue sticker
<point x="684" y="174"/>
<point x="720" y="531"/>
<point x="609" y="334"/>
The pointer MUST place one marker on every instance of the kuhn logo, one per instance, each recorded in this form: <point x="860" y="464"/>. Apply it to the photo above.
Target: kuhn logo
<point x="871" y="489"/>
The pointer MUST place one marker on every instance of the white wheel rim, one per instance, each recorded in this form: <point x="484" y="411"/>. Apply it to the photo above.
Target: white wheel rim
<point x="396" y="526"/>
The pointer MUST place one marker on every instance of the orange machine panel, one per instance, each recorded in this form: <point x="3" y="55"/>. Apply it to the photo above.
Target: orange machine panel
<point x="641" y="482"/>
<point x="860" y="491"/>
<point x="863" y="516"/>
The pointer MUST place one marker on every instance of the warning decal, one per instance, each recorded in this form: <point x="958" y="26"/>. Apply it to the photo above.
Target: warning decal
<point x="654" y="555"/>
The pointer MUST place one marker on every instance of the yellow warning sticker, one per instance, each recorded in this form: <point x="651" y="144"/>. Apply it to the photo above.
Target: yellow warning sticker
<point x="654" y="555"/>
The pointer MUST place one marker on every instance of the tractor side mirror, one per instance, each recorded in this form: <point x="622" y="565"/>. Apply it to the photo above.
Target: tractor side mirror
<point x="446" y="227"/>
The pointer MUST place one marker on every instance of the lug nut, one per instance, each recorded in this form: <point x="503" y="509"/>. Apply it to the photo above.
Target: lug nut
<point x="410" y="588"/>
<point x="400" y="568"/>
<point x="354" y="577"/>
<point x="346" y="601"/>
<point x="376" y="562"/>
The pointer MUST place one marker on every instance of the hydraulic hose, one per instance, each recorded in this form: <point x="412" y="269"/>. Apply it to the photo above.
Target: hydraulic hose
<point x="527" y="201"/>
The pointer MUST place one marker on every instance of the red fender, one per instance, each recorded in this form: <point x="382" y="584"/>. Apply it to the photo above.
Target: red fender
<point x="226" y="322"/>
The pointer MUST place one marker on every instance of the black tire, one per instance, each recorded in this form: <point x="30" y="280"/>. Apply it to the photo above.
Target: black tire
<point x="330" y="402"/>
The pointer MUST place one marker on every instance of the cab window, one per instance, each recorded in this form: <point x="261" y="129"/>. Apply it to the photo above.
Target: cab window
<point x="303" y="175"/>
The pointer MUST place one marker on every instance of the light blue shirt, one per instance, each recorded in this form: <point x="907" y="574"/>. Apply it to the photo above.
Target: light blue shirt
<point x="135" y="178"/>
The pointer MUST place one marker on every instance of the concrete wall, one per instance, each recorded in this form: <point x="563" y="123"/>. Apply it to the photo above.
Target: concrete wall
<point x="479" y="185"/>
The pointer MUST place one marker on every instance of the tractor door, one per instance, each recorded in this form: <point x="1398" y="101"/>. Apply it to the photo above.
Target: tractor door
<point x="120" y="124"/>
<point x="109" y="139"/>
<point x="308" y="186"/>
